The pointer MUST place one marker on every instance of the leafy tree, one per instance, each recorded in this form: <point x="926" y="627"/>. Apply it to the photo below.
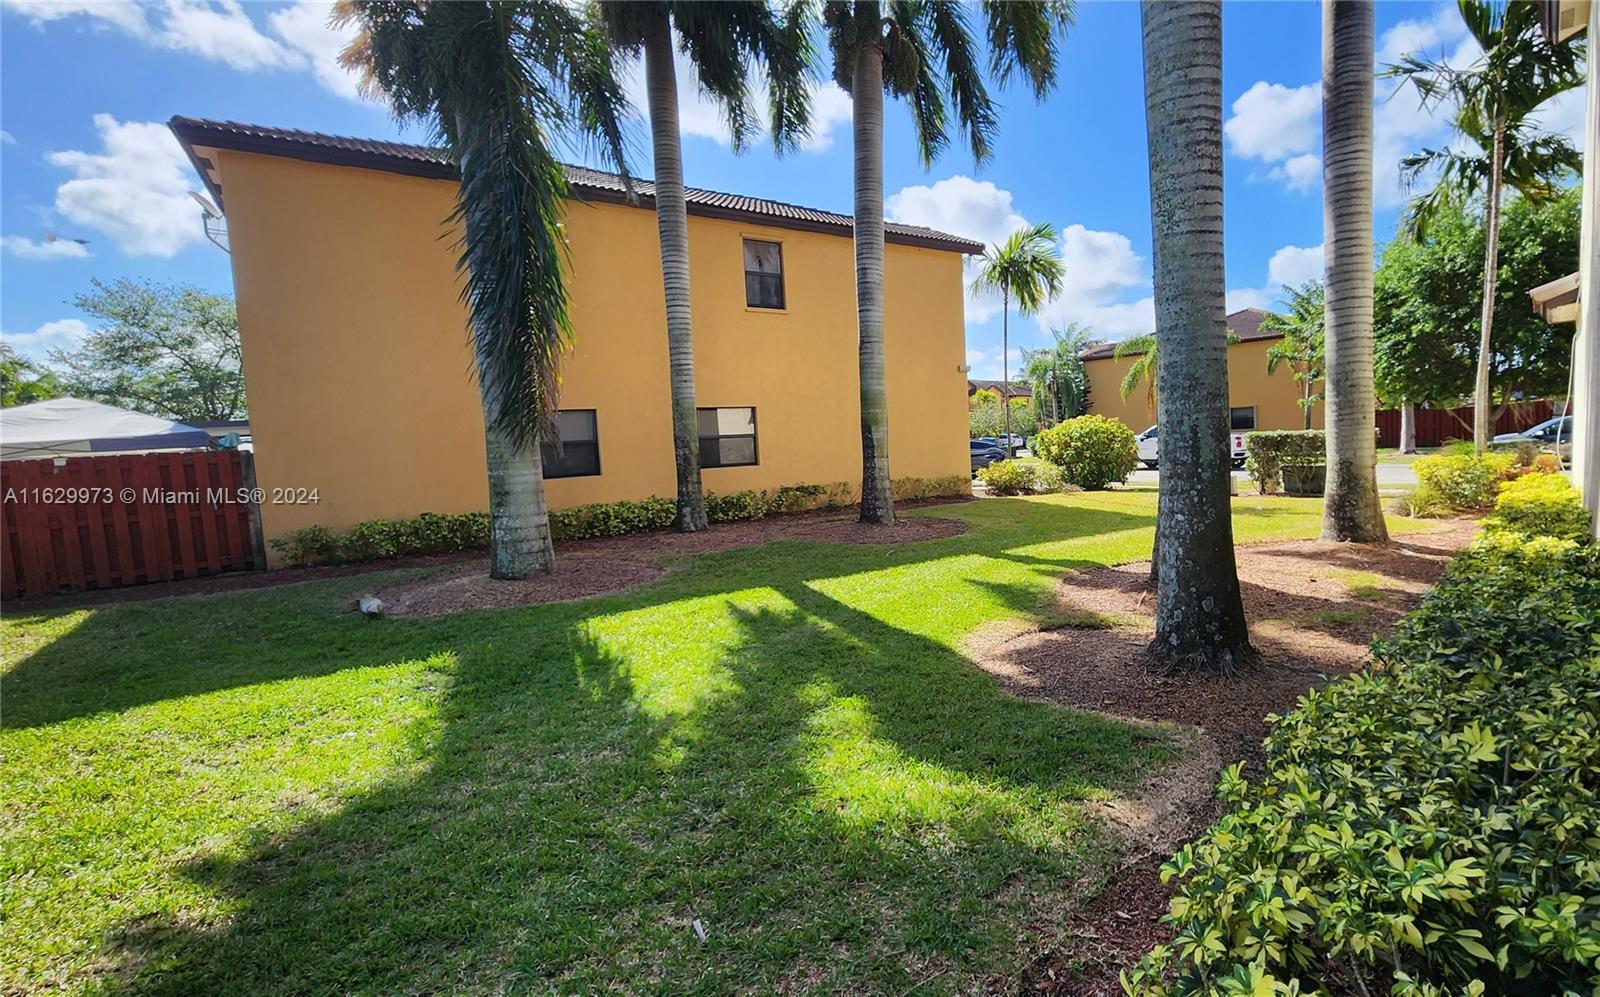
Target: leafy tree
<point x="498" y="82"/>
<point x="1199" y="611"/>
<point x="1498" y="141"/>
<point x="723" y="42"/>
<point x="922" y="50"/>
<point x="1060" y="384"/>
<point x="987" y="417"/>
<point x="1427" y="302"/>
<point x="1301" y="348"/>
<point x="1027" y="267"/>
<point x="169" y="350"/>
<point x="22" y="381"/>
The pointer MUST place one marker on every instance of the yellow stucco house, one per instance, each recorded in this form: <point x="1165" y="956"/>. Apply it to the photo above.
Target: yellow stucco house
<point x="1256" y="399"/>
<point x="359" y="370"/>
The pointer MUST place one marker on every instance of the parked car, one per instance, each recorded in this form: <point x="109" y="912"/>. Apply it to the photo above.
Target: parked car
<point x="1555" y="432"/>
<point x="1149" y="448"/>
<point x="984" y="453"/>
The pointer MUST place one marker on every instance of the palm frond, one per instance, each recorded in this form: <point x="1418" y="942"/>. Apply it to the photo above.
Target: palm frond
<point x="1023" y="37"/>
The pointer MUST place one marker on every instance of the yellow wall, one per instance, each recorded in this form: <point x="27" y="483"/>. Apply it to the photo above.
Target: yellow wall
<point x="358" y="367"/>
<point x="1275" y="396"/>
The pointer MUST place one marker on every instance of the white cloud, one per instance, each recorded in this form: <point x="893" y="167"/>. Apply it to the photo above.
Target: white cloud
<point x="225" y="33"/>
<point x="1101" y="267"/>
<point x="48" y="249"/>
<point x="136" y="191"/>
<point x="1300" y="173"/>
<point x="1294" y="265"/>
<point x="6" y="138"/>
<point x="960" y="205"/>
<point x="61" y="334"/>
<point x="221" y="31"/>
<point x="831" y="112"/>
<point x="120" y="14"/>
<point x="1272" y="122"/>
<point x="985" y="364"/>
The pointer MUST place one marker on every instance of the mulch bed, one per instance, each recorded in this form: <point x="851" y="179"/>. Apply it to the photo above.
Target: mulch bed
<point x="578" y="581"/>
<point x="1306" y="623"/>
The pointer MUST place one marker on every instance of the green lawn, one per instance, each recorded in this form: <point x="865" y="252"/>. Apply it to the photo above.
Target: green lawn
<point x="265" y="792"/>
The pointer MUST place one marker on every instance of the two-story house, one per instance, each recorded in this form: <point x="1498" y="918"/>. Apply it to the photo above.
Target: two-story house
<point x="358" y="363"/>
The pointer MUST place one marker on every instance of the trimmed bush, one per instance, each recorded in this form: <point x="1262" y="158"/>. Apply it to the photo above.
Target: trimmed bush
<point x="912" y="489"/>
<point x="1537" y="504"/>
<point x="1266" y="453"/>
<point x="1465" y="480"/>
<point x="1548" y="463"/>
<point x="1009" y="477"/>
<point x="1427" y="827"/>
<point x="1421" y="502"/>
<point x="429" y="533"/>
<point x="1092" y="451"/>
<point x="613" y="519"/>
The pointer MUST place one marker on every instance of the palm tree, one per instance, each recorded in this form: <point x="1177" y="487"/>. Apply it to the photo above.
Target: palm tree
<point x="496" y="81"/>
<point x="1199" y="613"/>
<point x="722" y="42"/>
<point x="922" y="50"/>
<point x="1350" y="510"/>
<point x="1499" y="142"/>
<point x="1143" y="348"/>
<point x="1027" y="266"/>
<point x="1056" y="375"/>
<point x="1301" y="348"/>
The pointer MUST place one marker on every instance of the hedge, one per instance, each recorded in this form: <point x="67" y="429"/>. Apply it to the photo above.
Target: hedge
<point x="436" y="533"/>
<point x="1267" y="452"/>
<point x="1430" y="826"/>
<point x="1464" y="481"/>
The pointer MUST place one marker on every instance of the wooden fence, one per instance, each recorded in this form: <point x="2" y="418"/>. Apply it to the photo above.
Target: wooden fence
<point x="1434" y="426"/>
<point x="126" y="519"/>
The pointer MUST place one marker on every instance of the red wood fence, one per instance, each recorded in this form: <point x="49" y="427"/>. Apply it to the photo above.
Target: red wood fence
<point x="1434" y="426"/>
<point x="125" y="519"/>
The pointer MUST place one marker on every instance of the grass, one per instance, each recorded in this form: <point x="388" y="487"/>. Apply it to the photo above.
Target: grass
<point x="265" y="792"/>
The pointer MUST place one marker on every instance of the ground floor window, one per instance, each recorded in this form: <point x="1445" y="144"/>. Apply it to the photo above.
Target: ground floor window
<point x="727" y="437"/>
<point x="580" y="446"/>
<point x="1242" y="418"/>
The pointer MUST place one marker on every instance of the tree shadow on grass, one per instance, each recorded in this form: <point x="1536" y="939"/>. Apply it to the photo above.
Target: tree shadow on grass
<point x="128" y="655"/>
<point x="843" y="805"/>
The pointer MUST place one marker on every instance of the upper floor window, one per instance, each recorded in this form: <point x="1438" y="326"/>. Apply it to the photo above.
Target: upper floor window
<point x="1242" y="418"/>
<point x="580" y="446"/>
<point x="763" y="274"/>
<point x="727" y="436"/>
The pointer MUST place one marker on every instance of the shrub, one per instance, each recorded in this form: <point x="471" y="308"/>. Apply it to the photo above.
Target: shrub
<point x="612" y="519"/>
<point x="1092" y="451"/>
<point x="1465" y="480"/>
<point x="1267" y="452"/>
<point x="1428" y="825"/>
<point x="429" y="533"/>
<point x="1525" y="453"/>
<point x="1009" y="477"/>
<point x="1547" y="463"/>
<point x="1421" y="502"/>
<point x="1540" y="504"/>
<point x="911" y="489"/>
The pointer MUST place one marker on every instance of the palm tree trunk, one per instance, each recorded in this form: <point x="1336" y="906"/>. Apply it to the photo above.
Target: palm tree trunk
<point x="672" y="223"/>
<point x="519" y="522"/>
<point x="1351" y="511"/>
<point x="1005" y="364"/>
<point x="877" y="499"/>
<point x="1408" y="427"/>
<point x="1199" y="614"/>
<point x="1482" y="419"/>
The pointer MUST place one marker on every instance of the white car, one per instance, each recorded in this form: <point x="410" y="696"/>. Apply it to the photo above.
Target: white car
<point x="1149" y="449"/>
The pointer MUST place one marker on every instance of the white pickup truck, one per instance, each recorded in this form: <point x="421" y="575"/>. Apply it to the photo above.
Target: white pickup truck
<point x="1149" y="448"/>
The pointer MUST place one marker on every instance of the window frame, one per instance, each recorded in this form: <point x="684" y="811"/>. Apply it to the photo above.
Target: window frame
<point x="1255" y="420"/>
<point x="782" y="275"/>
<point x="594" y="418"/>
<point x="754" y="437"/>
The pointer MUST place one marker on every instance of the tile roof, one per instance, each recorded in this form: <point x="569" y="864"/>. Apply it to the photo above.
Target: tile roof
<point x="428" y="161"/>
<point x="1244" y="323"/>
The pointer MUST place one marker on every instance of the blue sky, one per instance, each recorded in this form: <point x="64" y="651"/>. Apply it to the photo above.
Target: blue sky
<point x="85" y="89"/>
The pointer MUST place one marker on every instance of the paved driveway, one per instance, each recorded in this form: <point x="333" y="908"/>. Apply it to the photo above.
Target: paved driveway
<point x="1395" y="476"/>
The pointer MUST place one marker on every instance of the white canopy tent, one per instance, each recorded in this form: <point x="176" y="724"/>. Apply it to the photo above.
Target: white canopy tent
<point x="72" y="427"/>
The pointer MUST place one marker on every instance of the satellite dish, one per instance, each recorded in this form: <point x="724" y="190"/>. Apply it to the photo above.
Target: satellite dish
<point x="205" y="204"/>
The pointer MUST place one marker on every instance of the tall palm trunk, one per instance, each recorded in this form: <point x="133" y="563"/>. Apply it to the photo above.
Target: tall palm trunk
<point x="519" y="522"/>
<point x="1005" y="365"/>
<point x="1482" y="417"/>
<point x="1408" y="427"/>
<point x="672" y="222"/>
<point x="1199" y="614"/>
<point x="877" y="500"/>
<point x="1350" y="510"/>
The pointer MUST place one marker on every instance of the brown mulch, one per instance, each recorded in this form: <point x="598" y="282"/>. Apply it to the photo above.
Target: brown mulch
<point x="613" y="564"/>
<point x="1310" y="616"/>
<point x="821" y="526"/>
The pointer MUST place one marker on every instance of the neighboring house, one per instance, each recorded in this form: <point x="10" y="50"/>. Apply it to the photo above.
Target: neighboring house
<point x="75" y="427"/>
<point x="1256" y="399"/>
<point x="359" y="369"/>
<point x="1012" y="389"/>
<point x="1577" y="298"/>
